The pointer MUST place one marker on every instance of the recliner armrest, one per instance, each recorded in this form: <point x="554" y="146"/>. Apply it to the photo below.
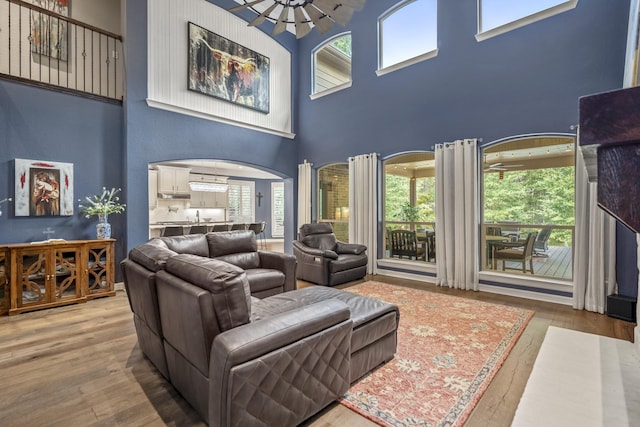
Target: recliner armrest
<point x="307" y="250"/>
<point x="282" y="262"/>
<point x="350" y="248"/>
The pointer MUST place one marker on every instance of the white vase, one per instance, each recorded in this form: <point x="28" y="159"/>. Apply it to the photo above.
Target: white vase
<point x="103" y="228"/>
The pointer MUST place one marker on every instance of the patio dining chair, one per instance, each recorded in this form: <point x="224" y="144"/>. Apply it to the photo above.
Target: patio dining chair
<point x="405" y="244"/>
<point x="541" y="243"/>
<point x="517" y="252"/>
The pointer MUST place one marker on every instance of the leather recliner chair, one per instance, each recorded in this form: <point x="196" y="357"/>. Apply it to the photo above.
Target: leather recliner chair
<point x="324" y="260"/>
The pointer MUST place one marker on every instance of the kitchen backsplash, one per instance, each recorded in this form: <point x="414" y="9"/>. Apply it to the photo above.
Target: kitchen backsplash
<point x="180" y="210"/>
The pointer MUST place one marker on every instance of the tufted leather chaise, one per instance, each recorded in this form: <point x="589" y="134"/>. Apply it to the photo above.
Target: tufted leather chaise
<point x="241" y="360"/>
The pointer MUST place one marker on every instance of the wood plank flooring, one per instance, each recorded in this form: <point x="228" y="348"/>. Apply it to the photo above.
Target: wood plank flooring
<point x="556" y="264"/>
<point x="80" y="365"/>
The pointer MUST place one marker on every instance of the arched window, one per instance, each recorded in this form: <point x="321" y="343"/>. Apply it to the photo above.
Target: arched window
<point x="409" y="207"/>
<point x="528" y="187"/>
<point x="408" y="34"/>
<point x="332" y="65"/>
<point x="333" y="198"/>
<point x="499" y="16"/>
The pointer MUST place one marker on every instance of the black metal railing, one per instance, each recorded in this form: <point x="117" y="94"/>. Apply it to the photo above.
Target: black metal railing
<point x="47" y="49"/>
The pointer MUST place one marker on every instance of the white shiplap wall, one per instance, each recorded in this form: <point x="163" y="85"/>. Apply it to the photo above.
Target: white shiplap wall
<point x="168" y="54"/>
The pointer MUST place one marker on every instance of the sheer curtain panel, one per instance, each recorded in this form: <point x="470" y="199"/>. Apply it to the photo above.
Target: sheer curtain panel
<point x="457" y="214"/>
<point x="304" y="194"/>
<point x="594" y="266"/>
<point x="363" y="205"/>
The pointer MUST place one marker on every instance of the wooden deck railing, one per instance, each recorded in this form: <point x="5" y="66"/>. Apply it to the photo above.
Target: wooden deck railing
<point x="47" y="49"/>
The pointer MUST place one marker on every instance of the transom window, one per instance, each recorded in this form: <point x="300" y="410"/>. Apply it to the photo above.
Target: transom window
<point x="499" y="16"/>
<point x="408" y="33"/>
<point x="332" y="65"/>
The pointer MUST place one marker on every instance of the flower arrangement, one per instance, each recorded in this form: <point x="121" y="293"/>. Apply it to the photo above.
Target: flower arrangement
<point x="106" y="203"/>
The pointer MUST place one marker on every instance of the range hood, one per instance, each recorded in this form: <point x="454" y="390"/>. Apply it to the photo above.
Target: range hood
<point x="176" y="196"/>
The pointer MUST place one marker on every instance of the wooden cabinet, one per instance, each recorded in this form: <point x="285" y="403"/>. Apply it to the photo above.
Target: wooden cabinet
<point x="56" y="273"/>
<point x="4" y="282"/>
<point x="172" y="180"/>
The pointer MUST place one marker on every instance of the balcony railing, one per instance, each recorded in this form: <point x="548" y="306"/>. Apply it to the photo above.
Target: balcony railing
<point x="47" y="49"/>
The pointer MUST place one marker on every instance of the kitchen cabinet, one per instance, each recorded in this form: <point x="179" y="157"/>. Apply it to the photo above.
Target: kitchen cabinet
<point x="49" y="274"/>
<point x="173" y="180"/>
<point x="153" y="189"/>
<point x="208" y="199"/>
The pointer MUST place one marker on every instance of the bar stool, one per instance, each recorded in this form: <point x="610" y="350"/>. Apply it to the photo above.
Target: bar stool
<point x="198" y="229"/>
<point x="258" y="229"/>
<point x="238" y="226"/>
<point x="173" y="231"/>
<point x="221" y="227"/>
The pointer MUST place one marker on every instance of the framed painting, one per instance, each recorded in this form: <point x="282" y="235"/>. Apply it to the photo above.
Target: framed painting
<point x="224" y="69"/>
<point x="43" y="188"/>
<point x="49" y="34"/>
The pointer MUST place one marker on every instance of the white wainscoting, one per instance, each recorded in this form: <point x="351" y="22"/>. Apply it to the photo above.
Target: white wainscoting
<point x="167" y="67"/>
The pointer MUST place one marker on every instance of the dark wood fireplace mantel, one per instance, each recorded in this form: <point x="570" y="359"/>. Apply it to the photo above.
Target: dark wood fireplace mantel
<point x="610" y="141"/>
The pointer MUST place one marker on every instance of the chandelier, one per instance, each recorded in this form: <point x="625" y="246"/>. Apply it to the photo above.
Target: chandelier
<point x="302" y="14"/>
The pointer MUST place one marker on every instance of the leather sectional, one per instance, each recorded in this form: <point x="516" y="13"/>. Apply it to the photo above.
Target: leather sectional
<point x="239" y="359"/>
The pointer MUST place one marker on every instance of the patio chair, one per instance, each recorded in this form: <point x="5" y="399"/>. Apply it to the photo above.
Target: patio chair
<point x="517" y="252"/>
<point x="494" y="231"/>
<point x="541" y="243"/>
<point x="405" y="244"/>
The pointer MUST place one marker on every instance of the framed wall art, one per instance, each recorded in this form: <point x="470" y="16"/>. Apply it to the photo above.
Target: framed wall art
<point x="224" y="69"/>
<point x="43" y="188"/>
<point x="49" y="34"/>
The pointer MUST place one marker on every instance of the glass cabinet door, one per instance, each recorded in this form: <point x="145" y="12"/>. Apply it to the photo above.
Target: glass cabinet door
<point x="32" y="277"/>
<point x="64" y="274"/>
<point x="99" y="278"/>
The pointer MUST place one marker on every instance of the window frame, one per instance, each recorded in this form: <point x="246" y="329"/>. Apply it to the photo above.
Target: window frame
<point x="252" y="189"/>
<point x="381" y="71"/>
<point x="277" y="218"/>
<point x="319" y="192"/>
<point x="315" y="95"/>
<point x="521" y="22"/>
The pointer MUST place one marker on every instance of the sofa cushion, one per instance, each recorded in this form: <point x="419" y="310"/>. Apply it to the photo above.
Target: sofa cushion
<point x="236" y="247"/>
<point x="347" y="262"/>
<point x="227" y="283"/>
<point x="152" y="255"/>
<point x="195" y="244"/>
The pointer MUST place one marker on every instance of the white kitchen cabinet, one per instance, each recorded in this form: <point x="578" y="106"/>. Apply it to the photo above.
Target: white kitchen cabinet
<point x="203" y="199"/>
<point x="173" y="180"/>
<point x="153" y="189"/>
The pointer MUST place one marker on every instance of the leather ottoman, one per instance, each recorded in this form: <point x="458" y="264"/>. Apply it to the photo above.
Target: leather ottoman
<point x="375" y="322"/>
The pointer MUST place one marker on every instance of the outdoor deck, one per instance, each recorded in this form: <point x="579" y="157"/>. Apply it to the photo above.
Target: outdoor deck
<point x="557" y="264"/>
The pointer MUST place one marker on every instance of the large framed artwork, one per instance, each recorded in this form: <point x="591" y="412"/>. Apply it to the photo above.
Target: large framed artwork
<point x="43" y="188"/>
<point x="224" y="69"/>
<point x="49" y="35"/>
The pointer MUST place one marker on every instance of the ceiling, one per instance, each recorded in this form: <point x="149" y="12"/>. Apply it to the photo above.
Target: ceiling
<point x="222" y="168"/>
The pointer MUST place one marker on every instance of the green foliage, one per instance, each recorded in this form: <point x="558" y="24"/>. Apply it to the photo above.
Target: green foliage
<point x="537" y="196"/>
<point x="343" y="44"/>
<point x="408" y="212"/>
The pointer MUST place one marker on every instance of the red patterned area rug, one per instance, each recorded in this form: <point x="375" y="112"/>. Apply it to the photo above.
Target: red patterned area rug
<point x="449" y="349"/>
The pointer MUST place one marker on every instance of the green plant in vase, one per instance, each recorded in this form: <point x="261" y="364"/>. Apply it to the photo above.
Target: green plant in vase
<point x="102" y="205"/>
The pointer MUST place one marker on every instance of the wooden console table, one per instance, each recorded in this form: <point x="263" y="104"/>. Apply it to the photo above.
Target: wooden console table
<point x="49" y="274"/>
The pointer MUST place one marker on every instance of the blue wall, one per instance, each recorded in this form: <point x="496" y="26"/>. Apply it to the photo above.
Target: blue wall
<point x="525" y="81"/>
<point x="40" y="124"/>
<point x="154" y="135"/>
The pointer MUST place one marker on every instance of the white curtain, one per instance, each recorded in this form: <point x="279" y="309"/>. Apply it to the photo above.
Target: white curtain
<point x="363" y="205"/>
<point x="457" y="214"/>
<point x="594" y="262"/>
<point x="304" y="194"/>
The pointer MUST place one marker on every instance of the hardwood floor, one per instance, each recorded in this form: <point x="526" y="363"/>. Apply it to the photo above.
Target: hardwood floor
<point x="80" y="365"/>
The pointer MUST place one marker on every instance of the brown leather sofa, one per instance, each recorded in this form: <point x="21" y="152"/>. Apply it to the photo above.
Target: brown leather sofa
<point x="324" y="260"/>
<point x="241" y="360"/>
